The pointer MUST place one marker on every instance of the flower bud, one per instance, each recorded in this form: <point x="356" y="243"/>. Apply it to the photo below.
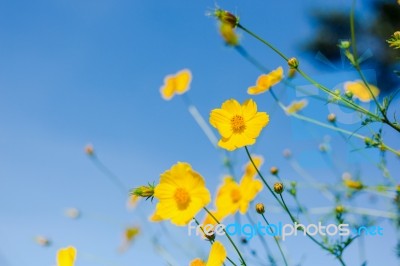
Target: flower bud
<point x="226" y="17"/>
<point x="143" y="191"/>
<point x="344" y="44"/>
<point x="293" y="63"/>
<point x="89" y="150"/>
<point x="348" y="94"/>
<point x="274" y="170"/>
<point x="260" y="208"/>
<point x="332" y="118"/>
<point x="339" y="209"/>
<point x="278" y="188"/>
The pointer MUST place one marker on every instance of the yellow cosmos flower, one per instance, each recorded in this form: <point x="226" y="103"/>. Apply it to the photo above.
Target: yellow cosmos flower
<point x="216" y="257"/>
<point x="233" y="197"/>
<point x="66" y="256"/>
<point x="249" y="167"/>
<point x="360" y="91"/>
<point x="239" y="125"/>
<point x="181" y="193"/>
<point x="266" y="81"/>
<point x="228" y="34"/>
<point x="176" y="84"/>
<point x="296" y="106"/>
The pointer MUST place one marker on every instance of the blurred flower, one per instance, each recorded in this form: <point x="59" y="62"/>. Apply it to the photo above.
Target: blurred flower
<point x="274" y="170"/>
<point x="250" y="170"/>
<point x="132" y="201"/>
<point x="332" y="118"/>
<point x="287" y="153"/>
<point x="181" y="193"/>
<point x="42" y="241"/>
<point x="89" y="150"/>
<point x="394" y="41"/>
<point x="208" y="219"/>
<point x="233" y="197"/>
<point x="155" y="218"/>
<point x="66" y="256"/>
<point x="216" y="257"/>
<point x="357" y="185"/>
<point x="296" y="106"/>
<point x="72" y="213"/>
<point x="360" y="91"/>
<point x="176" y="84"/>
<point x="266" y="81"/>
<point x="228" y="34"/>
<point x="239" y="125"/>
<point x="130" y="233"/>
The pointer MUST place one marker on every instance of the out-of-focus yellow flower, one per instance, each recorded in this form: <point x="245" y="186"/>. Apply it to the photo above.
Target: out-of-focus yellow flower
<point x="66" y="256"/>
<point x="132" y="201"/>
<point x="266" y="81"/>
<point x="360" y="91"/>
<point x="228" y="34"/>
<point x="181" y="193"/>
<point x="209" y="220"/>
<point x="130" y="233"/>
<point x="72" y="213"/>
<point x="233" y="197"/>
<point x="249" y="167"/>
<point x="394" y="41"/>
<point x="216" y="257"/>
<point x="239" y="125"/>
<point x="296" y="106"/>
<point x="176" y="84"/>
<point x="357" y="185"/>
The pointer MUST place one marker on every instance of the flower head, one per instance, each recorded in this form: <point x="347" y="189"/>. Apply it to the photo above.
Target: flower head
<point x="226" y="17"/>
<point x="210" y="223"/>
<point x="216" y="257"/>
<point x="66" y="256"/>
<point x="394" y="41"/>
<point x="266" y="81"/>
<point x="239" y="125"/>
<point x="296" y="106"/>
<point x="360" y="91"/>
<point x="249" y="169"/>
<point x="176" y="84"/>
<point x="233" y="196"/>
<point x="181" y="193"/>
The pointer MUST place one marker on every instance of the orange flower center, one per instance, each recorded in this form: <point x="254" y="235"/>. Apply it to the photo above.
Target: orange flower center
<point x="235" y="195"/>
<point x="182" y="198"/>
<point x="197" y="262"/>
<point x="238" y="124"/>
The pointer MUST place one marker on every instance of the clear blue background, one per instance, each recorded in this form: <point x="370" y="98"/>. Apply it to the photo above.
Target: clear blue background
<point x="77" y="72"/>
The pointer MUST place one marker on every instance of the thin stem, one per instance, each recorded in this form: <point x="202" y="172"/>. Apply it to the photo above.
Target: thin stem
<point x="276" y="240"/>
<point x="230" y="239"/>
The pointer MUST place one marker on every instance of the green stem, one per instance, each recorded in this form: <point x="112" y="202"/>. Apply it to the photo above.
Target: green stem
<point x="276" y="240"/>
<point x="230" y="239"/>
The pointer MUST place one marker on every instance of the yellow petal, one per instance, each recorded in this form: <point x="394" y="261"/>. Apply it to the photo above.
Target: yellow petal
<point x="232" y="106"/>
<point x="249" y="109"/>
<point x="221" y="120"/>
<point x="197" y="262"/>
<point x="66" y="256"/>
<point x="296" y="106"/>
<point x="360" y="91"/>
<point x="168" y="89"/>
<point x="183" y="79"/>
<point x="217" y="254"/>
<point x="256" y="124"/>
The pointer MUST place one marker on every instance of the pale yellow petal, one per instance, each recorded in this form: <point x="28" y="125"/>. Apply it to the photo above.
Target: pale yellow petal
<point x="256" y="124"/>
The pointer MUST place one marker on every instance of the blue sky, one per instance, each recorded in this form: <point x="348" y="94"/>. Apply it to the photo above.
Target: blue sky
<point x="78" y="72"/>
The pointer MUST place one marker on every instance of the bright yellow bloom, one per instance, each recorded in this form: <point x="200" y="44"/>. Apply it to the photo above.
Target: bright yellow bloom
<point x="239" y="125"/>
<point x="361" y="91"/>
<point x="181" y="193"/>
<point x="66" y="256"/>
<point x="228" y="34"/>
<point x="176" y="84"/>
<point x="249" y="167"/>
<point x="296" y="106"/>
<point x="216" y="257"/>
<point x="266" y="81"/>
<point x="233" y="197"/>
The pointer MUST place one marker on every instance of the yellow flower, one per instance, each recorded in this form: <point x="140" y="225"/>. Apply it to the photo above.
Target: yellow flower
<point x="210" y="220"/>
<point x="266" y="81"/>
<point x="360" y="91"/>
<point x="249" y="168"/>
<point x="129" y="235"/>
<point x="239" y="125"/>
<point x="296" y="106"/>
<point x="181" y="193"/>
<point x="66" y="256"/>
<point x="228" y="34"/>
<point x="233" y="197"/>
<point x="216" y="257"/>
<point x="176" y="84"/>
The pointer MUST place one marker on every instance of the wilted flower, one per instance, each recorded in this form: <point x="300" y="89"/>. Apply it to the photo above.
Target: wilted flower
<point x="176" y="84"/>
<point x="239" y="125"/>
